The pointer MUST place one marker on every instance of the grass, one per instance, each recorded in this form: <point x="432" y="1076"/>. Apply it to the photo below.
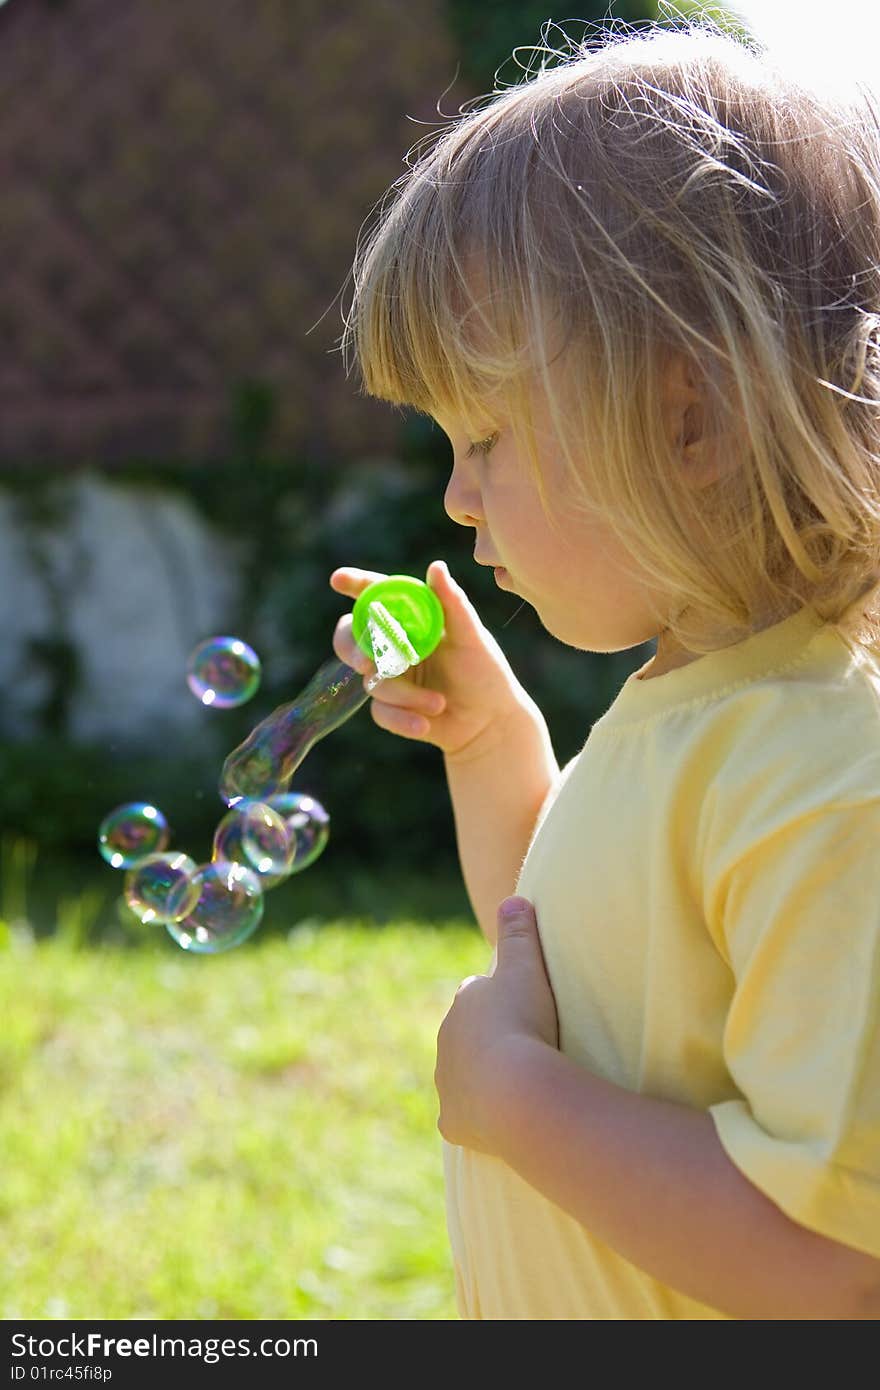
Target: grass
<point x="251" y="1135"/>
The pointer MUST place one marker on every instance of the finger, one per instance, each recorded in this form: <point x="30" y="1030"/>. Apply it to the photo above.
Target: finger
<point x="469" y="981"/>
<point x="518" y="940"/>
<point x="352" y="581"/>
<point x="403" y="722"/>
<point x="405" y="694"/>
<point x="347" y="649"/>
<point x="461" y="617"/>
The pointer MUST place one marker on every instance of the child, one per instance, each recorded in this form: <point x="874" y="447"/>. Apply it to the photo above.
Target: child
<point x="640" y="292"/>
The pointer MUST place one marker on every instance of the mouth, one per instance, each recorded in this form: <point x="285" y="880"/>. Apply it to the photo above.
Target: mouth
<point x="501" y="574"/>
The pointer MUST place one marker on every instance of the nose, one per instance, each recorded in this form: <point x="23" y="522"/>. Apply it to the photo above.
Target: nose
<point x="461" y="500"/>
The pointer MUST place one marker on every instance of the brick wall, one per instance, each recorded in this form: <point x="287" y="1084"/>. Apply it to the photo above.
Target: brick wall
<point x="181" y="186"/>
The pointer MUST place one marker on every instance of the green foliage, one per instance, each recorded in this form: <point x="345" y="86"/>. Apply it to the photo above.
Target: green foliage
<point x="57" y="793"/>
<point x="18" y="857"/>
<point x="245" y="1136"/>
<point x="487" y="32"/>
<point x="254" y="413"/>
<point x="715" y="11"/>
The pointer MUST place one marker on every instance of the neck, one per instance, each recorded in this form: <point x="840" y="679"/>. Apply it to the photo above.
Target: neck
<point x="668" y="657"/>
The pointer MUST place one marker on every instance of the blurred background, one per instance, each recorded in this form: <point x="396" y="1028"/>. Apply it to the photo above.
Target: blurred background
<point x="253" y="1134"/>
<point x="181" y="454"/>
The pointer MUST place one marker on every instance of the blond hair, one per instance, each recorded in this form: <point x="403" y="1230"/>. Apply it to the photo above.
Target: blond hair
<point x="654" y="192"/>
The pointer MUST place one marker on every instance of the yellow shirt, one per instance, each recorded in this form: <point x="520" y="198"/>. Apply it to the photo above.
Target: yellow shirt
<point x="706" y="877"/>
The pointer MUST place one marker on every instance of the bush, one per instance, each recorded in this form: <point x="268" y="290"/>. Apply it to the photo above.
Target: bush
<point x="296" y="521"/>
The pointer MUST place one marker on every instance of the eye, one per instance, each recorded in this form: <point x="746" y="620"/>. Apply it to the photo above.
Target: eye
<point x="483" y="446"/>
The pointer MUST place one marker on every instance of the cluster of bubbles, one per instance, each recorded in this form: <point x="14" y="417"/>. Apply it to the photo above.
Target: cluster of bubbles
<point x="260" y="842"/>
<point x="268" y="832"/>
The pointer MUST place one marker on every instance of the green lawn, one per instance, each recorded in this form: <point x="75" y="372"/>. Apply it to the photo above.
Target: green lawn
<point x="251" y="1135"/>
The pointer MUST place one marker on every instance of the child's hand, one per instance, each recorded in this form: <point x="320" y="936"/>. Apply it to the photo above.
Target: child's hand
<point x="478" y="1036"/>
<point x="463" y="693"/>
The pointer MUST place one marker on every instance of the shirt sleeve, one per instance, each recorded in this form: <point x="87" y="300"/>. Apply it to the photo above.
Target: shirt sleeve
<point x="798" y="920"/>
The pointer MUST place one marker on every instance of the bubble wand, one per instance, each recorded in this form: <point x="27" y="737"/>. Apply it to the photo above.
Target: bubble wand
<point x="397" y="622"/>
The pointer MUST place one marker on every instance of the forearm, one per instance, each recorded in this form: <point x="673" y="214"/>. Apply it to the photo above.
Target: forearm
<point x="651" y="1179"/>
<point x="497" y="791"/>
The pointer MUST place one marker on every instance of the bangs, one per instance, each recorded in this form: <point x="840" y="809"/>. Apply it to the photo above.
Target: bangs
<point x="439" y="319"/>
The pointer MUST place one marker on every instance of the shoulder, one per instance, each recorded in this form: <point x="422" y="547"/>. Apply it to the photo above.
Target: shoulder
<point x="784" y="747"/>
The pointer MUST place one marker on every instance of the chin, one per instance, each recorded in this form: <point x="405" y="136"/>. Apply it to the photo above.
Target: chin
<point x="598" y="642"/>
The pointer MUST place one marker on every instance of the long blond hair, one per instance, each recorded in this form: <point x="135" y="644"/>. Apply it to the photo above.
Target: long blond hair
<point x="652" y="192"/>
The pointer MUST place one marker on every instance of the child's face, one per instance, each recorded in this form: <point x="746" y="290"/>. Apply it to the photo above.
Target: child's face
<point x="569" y="567"/>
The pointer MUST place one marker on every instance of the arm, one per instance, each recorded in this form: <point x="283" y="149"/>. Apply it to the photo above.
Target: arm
<point x="466" y="700"/>
<point x="647" y="1176"/>
<point x="497" y="789"/>
<point x="651" y="1179"/>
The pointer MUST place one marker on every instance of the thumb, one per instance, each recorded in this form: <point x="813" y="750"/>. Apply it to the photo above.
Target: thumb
<point x="462" y="618"/>
<point x="518" y="940"/>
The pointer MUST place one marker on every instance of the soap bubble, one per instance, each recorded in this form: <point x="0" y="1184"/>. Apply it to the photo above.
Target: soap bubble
<point x="229" y="909"/>
<point x="264" y="764"/>
<point x="308" y="822"/>
<point x="223" y="672"/>
<point x="255" y="835"/>
<point x="156" y="882"/>
<point x="267" y="839"/>
<point x="131" y="832"/>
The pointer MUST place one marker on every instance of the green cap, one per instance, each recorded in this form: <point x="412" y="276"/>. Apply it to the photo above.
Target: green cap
<point x="411" y="603"/>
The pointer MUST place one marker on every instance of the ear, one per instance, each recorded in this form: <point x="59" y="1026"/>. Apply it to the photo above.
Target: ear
<point x="700" y="446"/>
